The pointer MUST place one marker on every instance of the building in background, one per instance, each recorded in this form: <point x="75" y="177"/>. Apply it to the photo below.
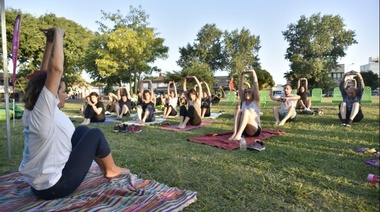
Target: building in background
<point x="373" y="65"/>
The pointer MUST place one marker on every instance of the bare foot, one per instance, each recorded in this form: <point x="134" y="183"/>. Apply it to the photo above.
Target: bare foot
<point x="276" y="123"/>
<point x="231" y="138"/>
<point x="118" y="171"/>
<point x="281" y="123"/>
<point x="85" y="122"/>
<point x="181" y="126"/>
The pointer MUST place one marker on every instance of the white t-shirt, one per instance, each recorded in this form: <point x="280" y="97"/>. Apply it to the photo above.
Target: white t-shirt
<point x="285" y="106"/>
<point x="253" y="106"/>
<point x="173" y="102"/>
<point x="48" y="133"/>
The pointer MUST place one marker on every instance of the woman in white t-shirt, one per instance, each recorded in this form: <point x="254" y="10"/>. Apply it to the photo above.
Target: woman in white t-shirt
<point x="247" y="116"/>
<point x="170" y="108"/>
<point x="57" y="156"/>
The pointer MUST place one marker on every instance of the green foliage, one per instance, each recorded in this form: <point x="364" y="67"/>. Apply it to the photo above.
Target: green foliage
<point x="370" y="79"/>
<point x="207" y="49"/>
<point x="124" y="53"/>
<point x="314" y="166"/>
<point x="315" y="45"/>
<point x="32" y="43"/>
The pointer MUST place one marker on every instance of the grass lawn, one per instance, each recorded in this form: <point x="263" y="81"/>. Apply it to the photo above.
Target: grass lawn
<point x="314" y="166"/>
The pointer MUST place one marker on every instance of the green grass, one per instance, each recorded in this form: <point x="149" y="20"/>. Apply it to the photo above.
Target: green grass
<point x="314" y="166"/>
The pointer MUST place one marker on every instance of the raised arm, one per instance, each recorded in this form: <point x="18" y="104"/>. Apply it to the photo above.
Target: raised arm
<point x="241" y="85"/>
<point x="208" y="89"/>
<point x="256" y="91"/>
<point x="119" y="93"/>
<point x="200" y="92"/>
<point x="170" y="82"/>
<point x="175" y="90"/>
<point x="184" y="84"/>
<point x="56" y="59"/>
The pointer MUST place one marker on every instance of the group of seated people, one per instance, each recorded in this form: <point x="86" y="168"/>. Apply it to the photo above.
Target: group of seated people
<point x="195" y="104"/>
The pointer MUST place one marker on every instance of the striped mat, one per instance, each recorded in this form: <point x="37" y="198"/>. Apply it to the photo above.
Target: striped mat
<point x="96" y="193"/>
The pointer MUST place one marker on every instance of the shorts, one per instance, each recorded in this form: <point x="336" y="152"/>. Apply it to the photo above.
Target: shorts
<point x="257" y="133"/>
<point x="294" y="118"/>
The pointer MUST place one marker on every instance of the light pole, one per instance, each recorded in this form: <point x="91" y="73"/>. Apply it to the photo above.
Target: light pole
<point x="349" y="66"/>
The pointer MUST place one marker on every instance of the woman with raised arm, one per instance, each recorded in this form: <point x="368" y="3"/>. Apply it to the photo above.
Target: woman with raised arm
<point x="124" y="103"/>
<point x="57" y="156"/>
<point x="247" y="116"/>
<point x="191" y="115"/>
<point x="302" y="91"/>
<point x="171" y="107"/>
<point x="145" y="112"/>
<point x="350" y="109"/>
<point x="206" y="102"/>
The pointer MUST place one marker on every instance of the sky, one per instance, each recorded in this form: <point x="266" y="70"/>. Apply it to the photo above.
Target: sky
<point x="178" y="22"/>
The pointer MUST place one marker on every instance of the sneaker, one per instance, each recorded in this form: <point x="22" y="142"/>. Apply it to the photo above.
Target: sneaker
<point x="107" y="113"/>
<point x="347" y="125"/>
<point x="120" y="128"/>
<point x="258" y="145"/>
<point x="343" y="125"/>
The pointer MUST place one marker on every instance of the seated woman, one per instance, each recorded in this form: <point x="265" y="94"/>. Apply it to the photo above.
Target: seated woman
<point x="56" y="155"/>
<point x="170" y="108"/>
<point x="94" y="112"/>
<point x="206" y="102"/>
<point x="350" y="109"/>
<point x="124" y="103"/>
<point x="145" y="111"/>
<point x="216" y="99"/>
<point x="191" y="115"/>
<point x="302" y="91"/>
<point x="247" y="116"/>
<point x="112" y="100"/>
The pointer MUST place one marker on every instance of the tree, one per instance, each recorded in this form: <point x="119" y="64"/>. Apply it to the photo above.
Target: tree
<point x="242" y="50"/>
<point x="125" y="52"/>
<point x="315" y="45"/>
<point x="370" y="79"/>
<point x="207" y="49"/>
<point x="32" y="43"/>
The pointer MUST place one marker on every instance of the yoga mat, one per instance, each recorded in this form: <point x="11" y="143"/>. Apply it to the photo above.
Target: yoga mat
<point x="214" y="115"/>
<point x="96" y="193"/>
<point x="188" y="127"/>
<point x="136" y="122"/>
<point x="107" y="121"/>
<point x="221" y="140"/>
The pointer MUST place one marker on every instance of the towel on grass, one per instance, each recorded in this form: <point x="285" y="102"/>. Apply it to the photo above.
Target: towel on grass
<point x="188" y="127"/>
<point x="221" y="140"/>
<point x="214" y="115"/>
<point x="96" y="193"/>
<point x="136" y="122"/>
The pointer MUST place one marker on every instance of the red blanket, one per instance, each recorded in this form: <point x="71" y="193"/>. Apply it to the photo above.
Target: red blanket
<point x="221" y="140"/>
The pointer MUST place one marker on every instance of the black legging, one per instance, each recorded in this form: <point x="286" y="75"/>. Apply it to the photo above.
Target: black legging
<point x="195" y="119"/>
<point x="86" y="144"/>
<point x="89" y="113"/>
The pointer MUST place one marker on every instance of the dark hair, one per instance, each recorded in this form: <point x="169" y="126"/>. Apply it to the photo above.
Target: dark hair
<point x="191" y="91"/>
<point x="93" y="94"/>
<point x="34" y="88"/>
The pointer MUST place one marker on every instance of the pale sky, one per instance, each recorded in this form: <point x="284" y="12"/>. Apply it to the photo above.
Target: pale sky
<point x="178" y="22"/>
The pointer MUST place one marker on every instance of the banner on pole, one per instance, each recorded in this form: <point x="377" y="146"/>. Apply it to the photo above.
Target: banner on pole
<point x="15" y="46"/>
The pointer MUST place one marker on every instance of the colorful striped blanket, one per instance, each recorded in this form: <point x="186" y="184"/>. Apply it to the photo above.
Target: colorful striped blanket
<point x="96" y="193"/>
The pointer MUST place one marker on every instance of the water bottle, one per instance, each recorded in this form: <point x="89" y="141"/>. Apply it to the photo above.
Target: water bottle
<point x="243" y="143"/>
<point x="373" y="178"/>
